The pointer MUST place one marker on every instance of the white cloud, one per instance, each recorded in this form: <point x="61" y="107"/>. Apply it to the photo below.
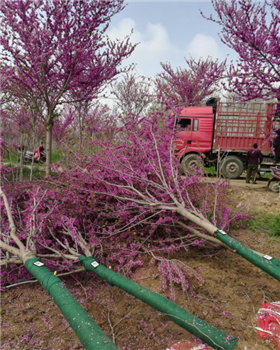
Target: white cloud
<point x="154" y="46"/>
<point x="203" y="46"/>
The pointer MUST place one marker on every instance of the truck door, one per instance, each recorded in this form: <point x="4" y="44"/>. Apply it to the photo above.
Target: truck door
<point x="202" y="133"/>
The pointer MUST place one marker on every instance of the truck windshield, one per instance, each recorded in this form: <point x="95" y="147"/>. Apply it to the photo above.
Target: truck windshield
<point x="184" y="123"/>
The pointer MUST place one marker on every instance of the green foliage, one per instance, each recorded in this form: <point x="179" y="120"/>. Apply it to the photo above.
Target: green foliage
<point x="266" y="222"/>
<point x="267" y="175"/>
<point x="210" y="171"/>
<point x="56" y="155"/>
<point x="11" y="158"/>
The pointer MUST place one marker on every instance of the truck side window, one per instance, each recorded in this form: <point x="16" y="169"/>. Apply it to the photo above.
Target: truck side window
<point x="195" y="124"/>
<point x="184" y="123"/>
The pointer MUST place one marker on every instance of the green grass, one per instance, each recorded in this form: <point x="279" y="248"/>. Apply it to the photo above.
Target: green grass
<point x="267" y="175"/>
<point x="269" y="223"/>
<point x="56" y="156"/>
<point x="38" y="172"/>
<point x="210" y="171"/>
<point x="12" y="159"/>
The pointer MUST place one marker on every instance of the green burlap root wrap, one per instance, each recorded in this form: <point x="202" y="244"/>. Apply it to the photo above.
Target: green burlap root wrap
<point x="89" y="333"/>
<point x="272" y="267"/>
<point x="202" y="330"/>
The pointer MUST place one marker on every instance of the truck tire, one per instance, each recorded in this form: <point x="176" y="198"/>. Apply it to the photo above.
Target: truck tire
<point x="191" y="160"/>
<point x="232" y="167"/>
<point x="274" y="186"/>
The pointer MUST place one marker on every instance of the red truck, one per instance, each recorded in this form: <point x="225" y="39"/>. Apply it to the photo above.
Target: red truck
<point x="225" y="131"/>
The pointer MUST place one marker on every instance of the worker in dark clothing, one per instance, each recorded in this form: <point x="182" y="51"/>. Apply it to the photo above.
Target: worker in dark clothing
<point x="276" y="145"/>
<point x="253" y="158"/>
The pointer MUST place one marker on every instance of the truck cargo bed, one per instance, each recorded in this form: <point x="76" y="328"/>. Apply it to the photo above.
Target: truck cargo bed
<point x="239" y="125"/>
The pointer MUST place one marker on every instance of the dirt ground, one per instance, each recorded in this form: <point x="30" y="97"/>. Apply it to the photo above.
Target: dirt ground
<point x="229" y="299"/>
<point x="256" y="197"/>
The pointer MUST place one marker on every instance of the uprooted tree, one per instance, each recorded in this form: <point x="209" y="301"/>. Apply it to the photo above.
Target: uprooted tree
<point x="124" y="201"/>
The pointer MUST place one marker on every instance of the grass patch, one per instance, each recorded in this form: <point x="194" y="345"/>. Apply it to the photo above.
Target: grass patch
<point x="266" y="175"/>
<point x="38" y="172"/>
<point x="269" y="223"/>
<point x="210" y="171"/>
<point x="56" y="156"/>
<point x="14" y="159"/>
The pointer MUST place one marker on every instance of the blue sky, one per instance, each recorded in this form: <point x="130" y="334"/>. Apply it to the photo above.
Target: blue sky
<point x="168" y="31"/>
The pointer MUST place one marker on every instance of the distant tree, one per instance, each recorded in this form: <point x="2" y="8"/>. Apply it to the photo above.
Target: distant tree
<point x="101" y="122"/>
<point x="64" y="124"/>
<point x="253" y="30"/>
<point x="185" y="86"/>
<point x="21" y="121"/>
<point x="50" y="48"/>
<point x="133" y="94"/>
<point x="81" y="108"/>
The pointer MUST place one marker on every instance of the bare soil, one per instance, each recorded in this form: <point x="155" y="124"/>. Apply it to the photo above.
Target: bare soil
<point x="257" y="198"/>
<point x="229" y="299"/>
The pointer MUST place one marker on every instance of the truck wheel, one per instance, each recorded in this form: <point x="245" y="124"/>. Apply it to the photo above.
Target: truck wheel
<point x="232" y="167"/>
<point x="274" y="186"/>
<point x="192" y="161"/>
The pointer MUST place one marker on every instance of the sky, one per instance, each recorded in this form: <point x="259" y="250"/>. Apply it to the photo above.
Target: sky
<point x="169" y="31"/>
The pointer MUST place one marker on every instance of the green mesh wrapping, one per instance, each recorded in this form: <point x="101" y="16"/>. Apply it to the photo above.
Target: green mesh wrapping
<point x="89" y="333"/>
<point x="272" y="267"/>
<point x="202" y="330"/>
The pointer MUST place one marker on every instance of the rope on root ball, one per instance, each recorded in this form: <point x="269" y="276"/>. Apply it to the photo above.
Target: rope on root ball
<point x="269" y="322"/>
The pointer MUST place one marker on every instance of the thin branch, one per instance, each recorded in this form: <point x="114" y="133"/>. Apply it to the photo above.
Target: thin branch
<point x="11" y="221"/>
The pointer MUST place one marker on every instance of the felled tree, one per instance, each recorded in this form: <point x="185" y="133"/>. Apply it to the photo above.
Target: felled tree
<point x="133" y="94"/>
<point x="189" y="86"/>
<point x="140" y="203"/>
<point x="123" y="201"/>
<point x="53" y="47"/>
<point x="252" y="30"/>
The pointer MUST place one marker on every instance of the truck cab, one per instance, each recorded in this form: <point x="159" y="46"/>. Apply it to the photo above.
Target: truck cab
<point x="195" y="127"/>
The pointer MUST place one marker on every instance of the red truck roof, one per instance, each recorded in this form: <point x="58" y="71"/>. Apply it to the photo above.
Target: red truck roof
<point x="201" y="111"/>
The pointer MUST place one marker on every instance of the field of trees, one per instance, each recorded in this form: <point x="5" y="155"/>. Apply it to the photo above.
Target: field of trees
<point x="110" y="187"/>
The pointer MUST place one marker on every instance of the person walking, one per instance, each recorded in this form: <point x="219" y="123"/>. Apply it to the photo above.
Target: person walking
<point x="253" y="158"/>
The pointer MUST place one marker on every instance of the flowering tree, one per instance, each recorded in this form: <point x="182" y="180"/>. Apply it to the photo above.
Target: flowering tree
<point x="133" y="94"/>
<point x="101" y="122"/>
<point x="24" y="121"/>
<point x="50" y="48"/>
<point x="191" y="85"/>
<point x="252" y="30"/>
<point x="64" y="124"/>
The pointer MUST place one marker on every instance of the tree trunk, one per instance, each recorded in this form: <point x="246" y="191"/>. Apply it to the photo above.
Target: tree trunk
<point x="21" y="158"/>
<point x="80" y="130"/>
<point x="49" y="148"/>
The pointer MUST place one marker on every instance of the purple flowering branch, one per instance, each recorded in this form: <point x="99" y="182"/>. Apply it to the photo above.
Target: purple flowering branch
<point x="252" y="30"/>
<point x="53" y="50"/>
<point x="191" y="85"/>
